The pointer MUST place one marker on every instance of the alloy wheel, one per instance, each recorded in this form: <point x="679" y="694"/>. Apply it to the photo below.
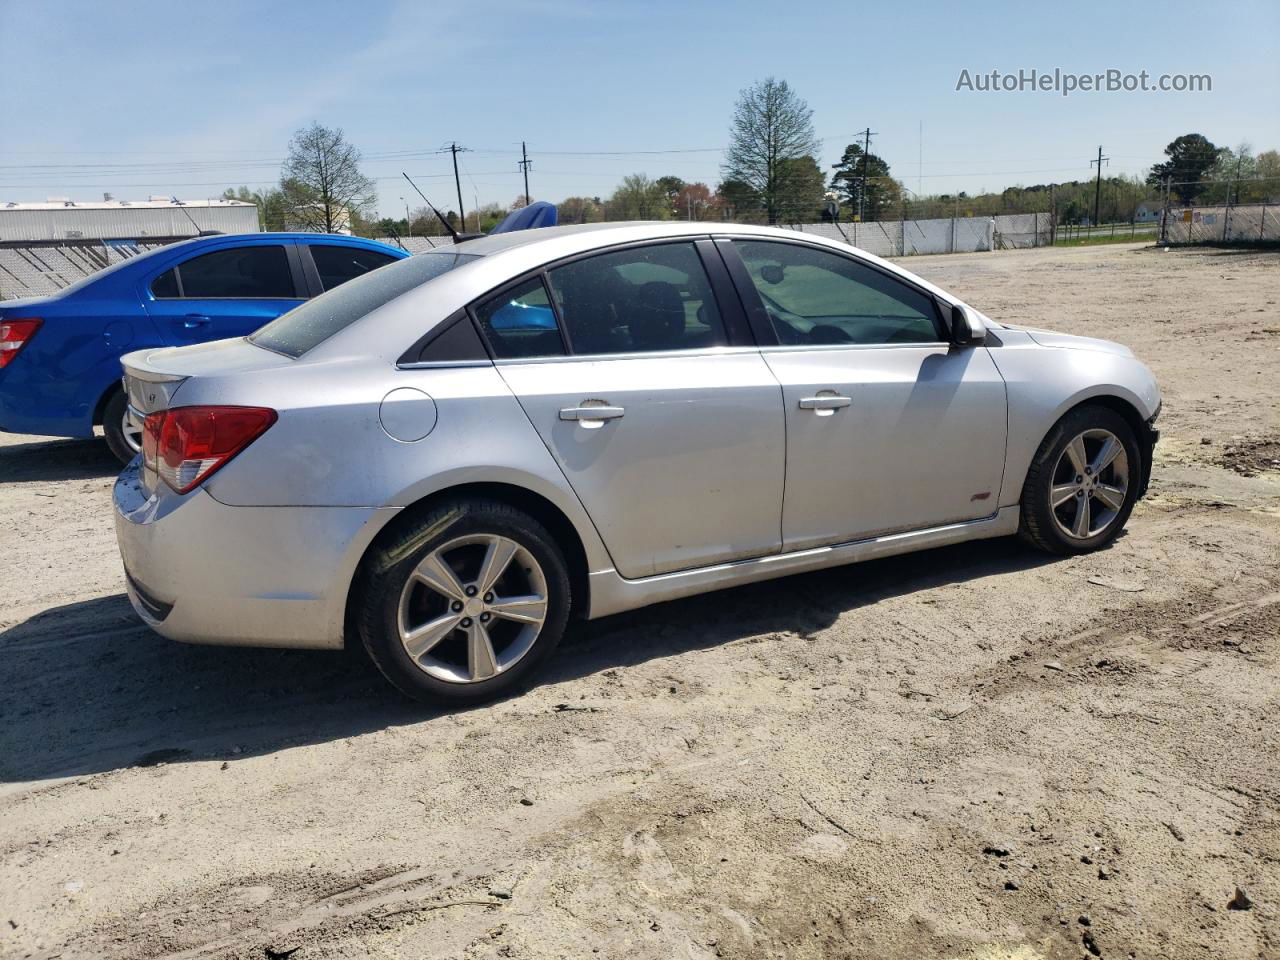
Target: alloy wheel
<point x="472" y="608"/>
<point x="131" y="430"/>
<point x="1090" y="483"/>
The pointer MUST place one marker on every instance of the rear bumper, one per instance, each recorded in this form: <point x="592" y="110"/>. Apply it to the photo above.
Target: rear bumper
<point x="203" y="572"/>
<point x="17" y="416"/>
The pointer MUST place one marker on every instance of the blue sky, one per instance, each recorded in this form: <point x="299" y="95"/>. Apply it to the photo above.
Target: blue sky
<point x="147" y="97"/>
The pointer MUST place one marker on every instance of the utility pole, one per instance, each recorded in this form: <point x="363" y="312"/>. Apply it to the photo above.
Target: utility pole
<point x="524" y="165"/>
<point x="866" y="151"/>
<point x="1097" y="188"/>
<point x="462" y="214"/>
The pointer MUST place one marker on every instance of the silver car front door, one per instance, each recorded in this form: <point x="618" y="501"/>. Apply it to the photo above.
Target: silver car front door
<point x="670" y="433"/>
<point x="889" y="428"/>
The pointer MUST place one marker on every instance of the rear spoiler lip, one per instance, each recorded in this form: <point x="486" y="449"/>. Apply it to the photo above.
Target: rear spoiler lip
<point x="135" y="365"/>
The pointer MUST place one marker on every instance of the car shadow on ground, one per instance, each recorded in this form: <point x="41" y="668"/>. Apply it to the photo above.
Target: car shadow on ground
<point x="89" y="689"/>
<point x="57" y="460"/>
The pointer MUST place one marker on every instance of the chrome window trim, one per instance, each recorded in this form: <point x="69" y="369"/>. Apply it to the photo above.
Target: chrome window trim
<point x="810" y="347"/>
<point x="633" y="355"/>
<point x="442" y="364"/>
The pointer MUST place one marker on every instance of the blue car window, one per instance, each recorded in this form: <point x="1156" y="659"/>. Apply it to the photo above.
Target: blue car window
<point x="165" y="286"/>
<point x="338" y="263"/>
<point x="522" y="323"/>
<point x="247" y="273"/>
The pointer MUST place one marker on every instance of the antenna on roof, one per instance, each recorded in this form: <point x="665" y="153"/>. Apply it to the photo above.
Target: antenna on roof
<point x="180" y="206"/>
<point x="396" y="237"/>
<point x="457" y="237"/>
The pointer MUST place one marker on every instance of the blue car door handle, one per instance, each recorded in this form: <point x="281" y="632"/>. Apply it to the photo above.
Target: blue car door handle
<point x="193" y="320"/>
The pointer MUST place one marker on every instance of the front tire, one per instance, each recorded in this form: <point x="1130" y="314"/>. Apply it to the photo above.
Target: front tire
<point x="123" y="433"/>
<point x="1083" y="482"/>
<point x="465" y="603"/>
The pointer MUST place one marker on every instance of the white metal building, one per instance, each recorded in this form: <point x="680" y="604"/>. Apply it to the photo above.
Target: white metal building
<point x="65" y="220"/>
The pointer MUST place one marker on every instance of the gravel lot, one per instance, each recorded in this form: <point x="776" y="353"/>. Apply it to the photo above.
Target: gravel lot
<point x="975" y="752"/>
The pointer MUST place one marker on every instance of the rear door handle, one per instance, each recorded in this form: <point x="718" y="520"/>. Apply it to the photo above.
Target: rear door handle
<point x="193" y="320"/>
<point x="591" y="417"/>
<point x="826" y="401"/>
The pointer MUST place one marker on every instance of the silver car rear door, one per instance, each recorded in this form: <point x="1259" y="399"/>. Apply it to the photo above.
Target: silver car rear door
<point x="667" y="425"/>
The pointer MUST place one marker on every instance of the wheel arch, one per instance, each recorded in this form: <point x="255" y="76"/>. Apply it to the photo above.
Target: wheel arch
<point x="103" y="400"/>
<point x="1126" y="409"/>
<point x="534" y="504"/>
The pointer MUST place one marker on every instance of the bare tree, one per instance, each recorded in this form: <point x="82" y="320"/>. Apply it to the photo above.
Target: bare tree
<point x="323" y="187"/>
<point x="771" y="126"/>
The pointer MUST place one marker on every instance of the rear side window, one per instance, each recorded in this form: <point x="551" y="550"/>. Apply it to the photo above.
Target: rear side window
<point x="165" y="286"/>
<point x="522" y="323"/>
<point x="315" y="321"/>
<point x="338" y="263"/>
<point x="638" y="300"/>
<point x="242" y="273"/>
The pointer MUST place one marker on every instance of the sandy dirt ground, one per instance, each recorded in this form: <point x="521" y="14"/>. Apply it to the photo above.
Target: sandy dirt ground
<point x="975" y="752"/>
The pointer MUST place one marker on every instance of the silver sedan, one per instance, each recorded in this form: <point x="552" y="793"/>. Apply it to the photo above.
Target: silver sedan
<point x="449" y="458"/>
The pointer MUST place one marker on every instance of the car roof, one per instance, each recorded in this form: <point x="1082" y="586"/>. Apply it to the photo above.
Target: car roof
<point x="492" y="261"/>
<point x="603" y="234"/>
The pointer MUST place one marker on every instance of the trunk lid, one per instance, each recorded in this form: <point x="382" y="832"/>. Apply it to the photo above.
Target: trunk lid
<point x="152" y="377"/>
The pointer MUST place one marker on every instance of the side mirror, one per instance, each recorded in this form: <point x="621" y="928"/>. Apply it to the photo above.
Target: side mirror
<point x="966" y="329"/>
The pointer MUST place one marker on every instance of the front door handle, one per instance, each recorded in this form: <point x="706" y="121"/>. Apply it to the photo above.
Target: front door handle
<point x="824" y="402"/>
<point x="193" y="320"/>
<point x="592" y="417"/>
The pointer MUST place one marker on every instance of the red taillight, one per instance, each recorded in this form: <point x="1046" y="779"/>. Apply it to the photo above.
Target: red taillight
<point x="187" y="444"/>
<point x="14" y="335"/>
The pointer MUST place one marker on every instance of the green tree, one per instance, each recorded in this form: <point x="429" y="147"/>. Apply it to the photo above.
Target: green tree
<point x="580" y="210"/>
<point x="800" y="191"/>
<point x="323" y="187"/>
<point x="638" y="197"/>
<point x="740" y="201"/>
<point x="1191" y="156"/>
<point x="883" y="195"/>
<point x="771" y="125"/>
<point x="671" y="187"/>
<point x="270" y="204"/>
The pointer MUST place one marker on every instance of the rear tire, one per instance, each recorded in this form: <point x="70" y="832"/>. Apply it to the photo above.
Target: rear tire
<point x="464" y="603"/>
<point x="124" y="443"/>
<point x="1082" y="484"/>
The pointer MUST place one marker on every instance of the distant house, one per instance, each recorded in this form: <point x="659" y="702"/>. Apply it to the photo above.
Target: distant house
<point x="1148" y="211"/>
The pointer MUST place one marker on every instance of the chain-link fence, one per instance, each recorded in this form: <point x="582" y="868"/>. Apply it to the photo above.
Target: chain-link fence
<point x="1229" y="212"/>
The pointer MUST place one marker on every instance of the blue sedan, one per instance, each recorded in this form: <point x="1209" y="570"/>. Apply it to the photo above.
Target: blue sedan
<point x="59" y="355"/>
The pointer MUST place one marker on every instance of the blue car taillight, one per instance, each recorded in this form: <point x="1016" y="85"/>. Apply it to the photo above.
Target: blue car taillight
<point x="14" y="335"/>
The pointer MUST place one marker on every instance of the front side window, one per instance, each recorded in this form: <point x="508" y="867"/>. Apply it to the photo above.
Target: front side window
<point x="244" y="273"/>
<point x="522" y="323"/>
<point x="816" y="297"/>
<point x="338" y="263"/>
<point x="638" y="300"/>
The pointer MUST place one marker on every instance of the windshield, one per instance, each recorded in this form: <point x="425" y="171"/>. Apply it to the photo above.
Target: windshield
<point x="315" y="321"/>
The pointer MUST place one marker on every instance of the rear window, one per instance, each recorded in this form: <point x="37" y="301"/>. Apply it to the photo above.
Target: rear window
<point x="315" y="321"/>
